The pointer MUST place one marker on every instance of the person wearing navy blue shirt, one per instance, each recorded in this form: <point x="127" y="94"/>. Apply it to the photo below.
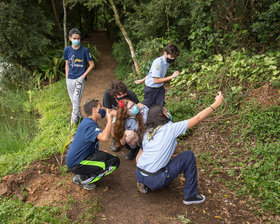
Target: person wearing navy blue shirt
<point x="154" y="91"/>
<point x="84" y="157"/>
<point x="154" y="168"/>
<point x="76" y="59"/>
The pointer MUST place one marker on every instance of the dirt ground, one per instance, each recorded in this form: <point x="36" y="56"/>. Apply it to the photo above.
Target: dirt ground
<point x="118" y="200"/>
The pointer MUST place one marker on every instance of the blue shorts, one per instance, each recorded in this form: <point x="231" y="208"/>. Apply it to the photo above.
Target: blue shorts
<point x="154" y="96"/>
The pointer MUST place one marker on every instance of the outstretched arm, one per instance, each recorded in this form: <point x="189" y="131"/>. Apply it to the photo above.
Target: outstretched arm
<point x="140" y="81"/>
<point x="165" y="79"/>
<point x="206" y="112"/>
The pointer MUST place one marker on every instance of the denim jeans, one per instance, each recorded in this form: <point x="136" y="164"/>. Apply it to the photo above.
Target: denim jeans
<point x="183" y="163"/>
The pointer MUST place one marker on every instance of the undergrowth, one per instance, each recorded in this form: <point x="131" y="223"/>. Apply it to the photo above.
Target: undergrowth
<point x="54" y="128"/>
<point x="13" y="210"/>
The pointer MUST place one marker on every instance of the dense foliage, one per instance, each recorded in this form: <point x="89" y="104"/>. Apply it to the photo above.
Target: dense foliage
<point x="231" y="46"/>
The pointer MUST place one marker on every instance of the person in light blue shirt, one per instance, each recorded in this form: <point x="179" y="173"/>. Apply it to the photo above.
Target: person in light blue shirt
<point x="154" y="168"/>
<point x="154" y="91"/>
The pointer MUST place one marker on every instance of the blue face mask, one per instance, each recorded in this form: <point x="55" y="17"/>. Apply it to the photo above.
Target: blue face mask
<point x="170" y="117"/>
<point x="102" y="112"/>
<point x="134" y="110"/>
<point x="75" y="42"/>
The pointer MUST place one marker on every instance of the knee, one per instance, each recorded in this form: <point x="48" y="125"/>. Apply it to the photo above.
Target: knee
<point x="189" y="154"/>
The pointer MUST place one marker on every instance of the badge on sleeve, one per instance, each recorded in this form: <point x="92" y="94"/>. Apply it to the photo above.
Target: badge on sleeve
<point x="157" y="67"/>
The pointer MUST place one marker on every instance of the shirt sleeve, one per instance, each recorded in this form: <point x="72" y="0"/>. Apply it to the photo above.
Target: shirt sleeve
<point x="133" y="96"/>
<point x="92" y="133"/>
<point x="179" y="128"/>
<point x="156" y="69"/>
<point x="65" y="57"/>
<point x="107" y="100"/>
<point x="88" y="55"/>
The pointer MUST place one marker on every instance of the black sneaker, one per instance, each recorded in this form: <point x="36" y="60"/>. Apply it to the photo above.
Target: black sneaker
<point x="142" y="188"/>
<point x="132" y="153"/>
<point x="199" y="198"/>
<point x="113" y="147"/>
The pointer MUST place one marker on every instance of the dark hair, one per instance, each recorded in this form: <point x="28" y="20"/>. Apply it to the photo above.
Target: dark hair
<point x="89" y="104"/>
<point x="116" y="87"/>
<point x="74" y="31"/>
<point x="156" y="117"/>
<point x="172" y="49"/>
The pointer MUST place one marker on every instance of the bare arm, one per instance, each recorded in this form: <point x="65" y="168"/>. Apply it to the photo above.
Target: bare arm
<point x="90" y="67"/>
<point x="105" y="134"/>
<point x="66" y="69"/>
<point x="206" y="112"/>
<point x="165" y="79"/>
<point x="138" y="155"/>
<point x="140" y="81"/>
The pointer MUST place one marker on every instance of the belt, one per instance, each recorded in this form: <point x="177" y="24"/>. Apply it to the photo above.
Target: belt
<point x="153" y="87"/>
<point x="152" y="174"/>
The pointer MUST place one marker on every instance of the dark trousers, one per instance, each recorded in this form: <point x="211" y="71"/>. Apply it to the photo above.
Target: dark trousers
<point x="183" y="163"/>
<point x="96" y="166"/>
<point x="153" y="96"/>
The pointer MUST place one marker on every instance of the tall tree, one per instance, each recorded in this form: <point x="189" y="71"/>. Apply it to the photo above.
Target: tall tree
<point x="129" y="42"/>
<point x="64" y="23"/>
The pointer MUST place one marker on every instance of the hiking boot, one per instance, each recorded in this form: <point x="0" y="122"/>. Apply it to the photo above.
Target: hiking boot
<point x="142" y="188"/>
<point x="132" y="153"/>
<point x="113" y="147"/>
<point x="199" y="198"/>
<point x="77" y="180"/>
<point x="89" y="186"/>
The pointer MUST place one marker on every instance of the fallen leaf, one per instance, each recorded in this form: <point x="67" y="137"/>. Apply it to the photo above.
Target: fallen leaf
<point x="226" y="195"/>
<point x="209" y="191"/>
<point x="204" y="211"/>
<point x="136" y="195"/>
<point x="217" y="217"/>
<point x="106" y="189"/>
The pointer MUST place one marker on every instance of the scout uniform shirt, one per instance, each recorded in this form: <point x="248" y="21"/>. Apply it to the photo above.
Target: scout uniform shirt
<point x="157" y="70"/>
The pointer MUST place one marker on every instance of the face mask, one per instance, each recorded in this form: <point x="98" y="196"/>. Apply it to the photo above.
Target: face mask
<point x="170" y="117"/>
<point x="169" y="60"/>
<point x="134" y="110"/>
<point x="121" y="98"/>
<point x="102" y="112"/>
<point x="75" y="42"/>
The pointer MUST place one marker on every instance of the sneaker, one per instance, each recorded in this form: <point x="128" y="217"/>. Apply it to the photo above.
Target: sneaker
<point x="89" y="186"/>
<point x="199" y="198"/>
<point x="132" y="153"/>
<point x="142" y="188"/>
<point x="77" y="180"/>
<point x="113" y="147"/>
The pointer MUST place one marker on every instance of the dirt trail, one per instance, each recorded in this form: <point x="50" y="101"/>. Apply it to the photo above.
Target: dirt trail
<point x="116" y="196"/>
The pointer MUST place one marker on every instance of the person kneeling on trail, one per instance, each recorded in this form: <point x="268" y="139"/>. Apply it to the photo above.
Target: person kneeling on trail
<point x="154" y="168"/>
<point x="84" y="158"/>
<point x="130" y="120"/>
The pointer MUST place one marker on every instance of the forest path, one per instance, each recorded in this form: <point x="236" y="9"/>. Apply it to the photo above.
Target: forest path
<point x="116" y="193"/>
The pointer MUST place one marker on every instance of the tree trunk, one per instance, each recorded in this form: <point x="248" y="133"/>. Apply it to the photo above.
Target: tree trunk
<point x="116" y="15"/>
<point x="64" y="24"/>
<point x="55" y="15"/>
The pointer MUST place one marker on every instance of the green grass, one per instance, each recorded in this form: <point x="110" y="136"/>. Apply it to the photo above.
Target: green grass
<point x="17" y="125"/>
<point x="54" y="129"/>
<point x="13" y="210"/>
